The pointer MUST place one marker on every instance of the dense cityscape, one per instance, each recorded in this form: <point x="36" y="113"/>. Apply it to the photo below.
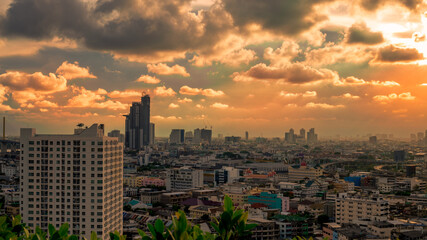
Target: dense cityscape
<point x="213" y="120"/>
<point x="296" y="185"/>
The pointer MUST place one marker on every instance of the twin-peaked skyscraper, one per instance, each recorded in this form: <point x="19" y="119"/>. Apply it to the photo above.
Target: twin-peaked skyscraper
<point x="139" y="132"/>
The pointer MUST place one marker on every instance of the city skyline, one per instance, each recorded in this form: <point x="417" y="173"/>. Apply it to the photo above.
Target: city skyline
<point x="348" y="69"/>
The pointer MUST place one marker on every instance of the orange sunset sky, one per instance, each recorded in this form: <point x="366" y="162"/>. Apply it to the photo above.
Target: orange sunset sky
<point x="343" y="67"/>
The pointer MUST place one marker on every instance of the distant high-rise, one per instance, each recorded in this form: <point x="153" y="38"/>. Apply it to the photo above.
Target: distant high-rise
<point x="152" y="133"/>
<point x="202" y="136"/>
<point x="420" y="136"/>
<point x="177" y="136"/>
<point x="302" y="133"/>
<point x="311" y="136"/>
<point x="246" y="135"/>
<point x="290" y="136"/>
<point x="373" y="139"/>
<point x="137" y="124"/>
<point x="117" y="134"/>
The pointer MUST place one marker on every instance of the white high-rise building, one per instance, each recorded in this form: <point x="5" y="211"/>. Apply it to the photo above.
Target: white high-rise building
<point x="75" y="179"/>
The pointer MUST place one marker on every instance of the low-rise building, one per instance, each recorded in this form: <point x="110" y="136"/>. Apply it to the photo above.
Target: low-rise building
<point x="265" y="229"/>
<point x="291" y="226"/>
<point x="348" y="210"/>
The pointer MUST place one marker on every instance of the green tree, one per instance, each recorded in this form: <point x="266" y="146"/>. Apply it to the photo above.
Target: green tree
<point x="232" y="224"/>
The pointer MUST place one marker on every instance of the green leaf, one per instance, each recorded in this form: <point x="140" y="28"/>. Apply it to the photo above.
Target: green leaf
<point x="159" y="226"/>
<point x="63" y="230"/>
<point x="93" y="236"/>
<point x="228" y="204"/>
<point x="51" y="229"/>
<point x="152" y="230"/>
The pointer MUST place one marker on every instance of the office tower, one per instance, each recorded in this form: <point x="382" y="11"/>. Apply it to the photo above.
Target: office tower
<point x="420" y="136"/>
<point x="183" y="178"/>
<point x="75" y="178"/>
<point x="117" y="134"/>
<point x="246" y="136"/>
<point x="399" y="156"/>
<point x="290" y="136"/>
<point x="302" y="133"/>
<point x="152" y="133"/>
<point x="311" y="136"/>
<point x="373" y="140"/>
<point x="137" y="124"/>
<point x="202" y="136"/>
<point x="176" y="136"/>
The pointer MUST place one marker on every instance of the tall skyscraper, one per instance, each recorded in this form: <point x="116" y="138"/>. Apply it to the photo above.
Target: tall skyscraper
<point x="75" y="179"/>
<point x="137" y="124"/>
<point x="311" y="136"/>
<point x="177" y="136"/>
<point x="246" y="135"/>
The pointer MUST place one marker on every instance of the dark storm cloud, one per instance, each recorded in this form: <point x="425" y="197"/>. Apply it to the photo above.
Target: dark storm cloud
<point x="375" y="4"/>
<point x="360" y="33"/>
<point x="124" y="26"/>
<point x="288" y="17"/>
<point x="394" y="54"/>
<point x="45" y="18"/>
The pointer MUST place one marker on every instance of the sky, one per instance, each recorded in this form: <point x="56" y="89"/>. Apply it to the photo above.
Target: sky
<point x="342" y="67"/>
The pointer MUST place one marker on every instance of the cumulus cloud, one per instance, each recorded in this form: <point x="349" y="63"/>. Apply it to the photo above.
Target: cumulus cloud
<point x="164" y="92"/>
<point x="219" y="105"/>
<point x="296" y="73"/>
<point x="163" y="69"/>
<point x="93" y="99"/>
<point x="391" y="54"/>
<point x="73" y="70"/>
<point x="353" y="81"/>
<point x="158" y="117"/>
<point x="185" y="100"/>
<point x="173" y="105"/>
<point x="323" y="105"/>
<point x="148" y="79"/>
<point x="359" y="33"/>
<point x="305" y="94"/>
<point x="348" y="96"/>
<point x="331" y="54"/>
<point x="393" y="96"/>
<point x="20" y="81"/>
<point x="209" y="92"/>
<point x="282" y="55"/>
